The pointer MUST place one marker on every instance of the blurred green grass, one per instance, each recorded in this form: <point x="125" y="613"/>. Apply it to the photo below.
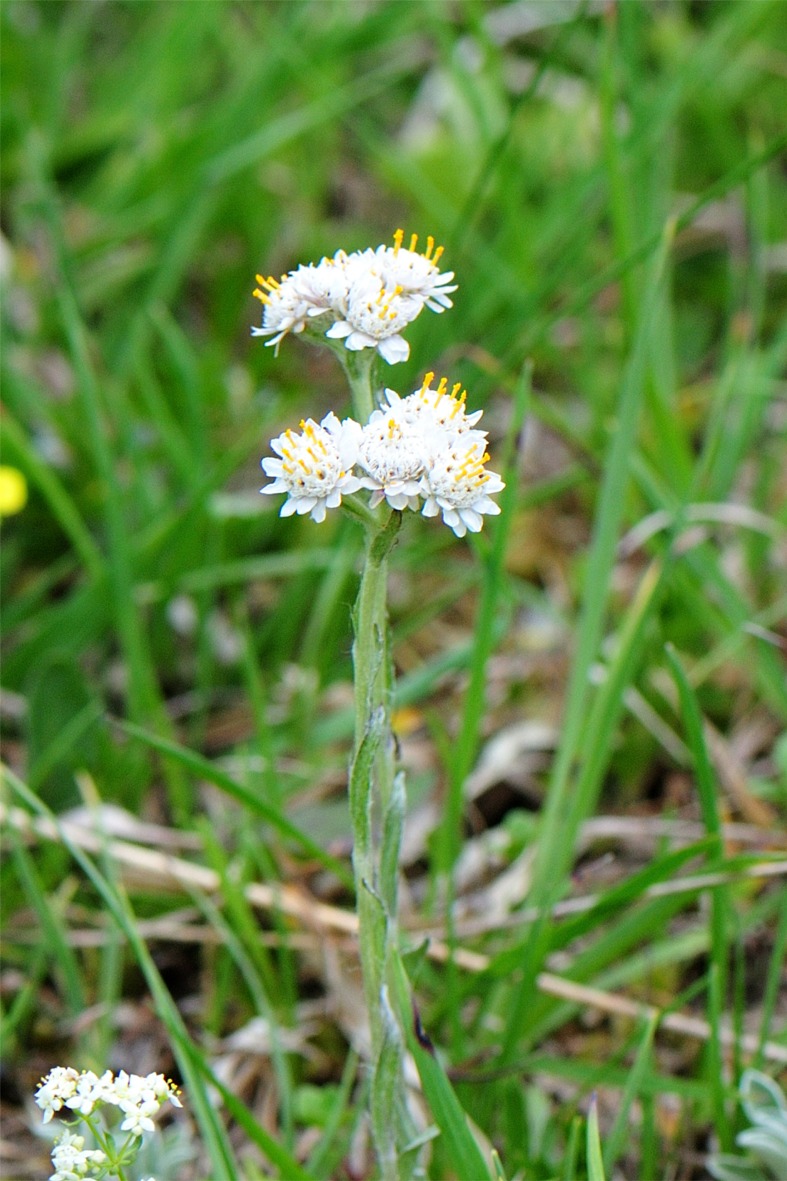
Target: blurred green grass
<point x="157" y="155"/>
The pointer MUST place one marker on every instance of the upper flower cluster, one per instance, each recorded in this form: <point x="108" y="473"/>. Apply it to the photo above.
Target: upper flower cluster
<point x="138" y="1096"/>
<point x="365" y="298"/>
<point x="419" y="452"/>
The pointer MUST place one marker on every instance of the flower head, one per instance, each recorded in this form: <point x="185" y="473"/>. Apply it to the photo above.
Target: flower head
<point x="138" y="1117"/>
<point x="315" y="467"/>
<point x="417" y="274"/>
<point x="285" y="309"/>
<point x="324" y="287"/>
<point x="392" y="454"/>
<point x="435" y="412"/>
<point x="374" y="318"/>
<point x="457" y="484"/>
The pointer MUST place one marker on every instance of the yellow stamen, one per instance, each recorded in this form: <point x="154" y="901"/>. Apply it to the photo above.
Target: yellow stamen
<point x="431" y="254"/>
<point x="428" y="379"/>
<point x="443" y="386"/>
<point x="270" y="284"/>
<point x="385" y="308"/>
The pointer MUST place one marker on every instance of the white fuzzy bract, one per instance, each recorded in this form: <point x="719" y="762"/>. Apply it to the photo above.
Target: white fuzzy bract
<point x="315" y="467"/>
<point x="368" y="297"/>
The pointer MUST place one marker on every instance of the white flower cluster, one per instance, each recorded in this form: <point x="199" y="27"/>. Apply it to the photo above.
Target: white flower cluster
<point x="138" y="1097"/>
<point x="72" y="1160"/>
<point x="365" y="298"/>
<point x="419" y="452"/>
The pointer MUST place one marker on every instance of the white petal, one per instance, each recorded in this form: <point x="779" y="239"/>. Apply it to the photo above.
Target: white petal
<point x="339" y="330"/>
<point x="394" y="349"/>
<point x="472" y="519"/>
<point x="359" y="340"/>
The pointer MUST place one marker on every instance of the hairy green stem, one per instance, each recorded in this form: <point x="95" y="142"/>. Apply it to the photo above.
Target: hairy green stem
<point x="377" y="813"/>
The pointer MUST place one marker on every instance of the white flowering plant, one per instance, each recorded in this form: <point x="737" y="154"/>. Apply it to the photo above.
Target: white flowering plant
<point x="422" y="453"/>
<point x="117" y="1110"/>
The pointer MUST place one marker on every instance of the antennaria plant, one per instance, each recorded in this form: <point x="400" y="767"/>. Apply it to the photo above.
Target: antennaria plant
<point x="421" y="452"/>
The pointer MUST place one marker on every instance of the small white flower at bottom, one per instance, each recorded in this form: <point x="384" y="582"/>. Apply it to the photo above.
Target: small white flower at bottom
<point x="457" y="484"/>
<point x="315" y="468"/>
<point x="72" y="1160"/>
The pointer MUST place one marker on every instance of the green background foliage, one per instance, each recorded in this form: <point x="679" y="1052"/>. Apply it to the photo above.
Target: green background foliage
<point x="609" y="185"/>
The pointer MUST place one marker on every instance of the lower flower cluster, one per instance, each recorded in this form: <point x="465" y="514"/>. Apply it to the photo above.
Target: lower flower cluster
<point x="423" y="452"/>
<point x="72" y="1160"/>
